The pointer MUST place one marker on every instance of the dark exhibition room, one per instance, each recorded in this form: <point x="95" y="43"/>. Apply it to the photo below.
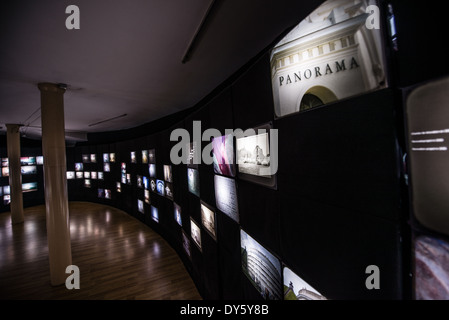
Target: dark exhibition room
<point x="224" y="153"/>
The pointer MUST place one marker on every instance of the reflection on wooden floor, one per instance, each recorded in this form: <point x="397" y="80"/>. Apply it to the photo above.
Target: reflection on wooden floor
<point x="118" y="256"/>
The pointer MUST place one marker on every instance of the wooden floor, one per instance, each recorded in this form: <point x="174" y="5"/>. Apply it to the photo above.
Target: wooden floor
<point x="118" y="256"/>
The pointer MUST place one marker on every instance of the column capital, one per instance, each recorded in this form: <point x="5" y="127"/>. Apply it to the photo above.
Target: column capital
<point x="13" y="127"/>
<point x="52" y="87"/>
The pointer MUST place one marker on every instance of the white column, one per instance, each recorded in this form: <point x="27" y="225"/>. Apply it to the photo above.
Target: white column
<point x="56" y="199"/>
<point x="15" y="174"/>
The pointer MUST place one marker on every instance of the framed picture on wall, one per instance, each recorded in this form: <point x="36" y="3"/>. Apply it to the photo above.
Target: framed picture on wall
<point x="133" y="157"/>
<point x="147" y="196"/>
<point x="257" y="155"/>
<point x="152" y="156"/>
<point x="168" y="175"/>
<point x="193" y="181"/>
<point x="317" y="63"/>
<point x="208" y="219"/>
<point x="226" y="196"/>
<point x="155" y="214"/>
<point x="145" y="156"/>
<point x="186" y="244"/>
<point x="295" y="288"/>
<point x="257" y="260"/>
<point x="140" y="206"/>
<point x="223" y="155"/>
<point x="177" y="213"/>
<point x="195" y="232"/>
<point x="169" y="190"/>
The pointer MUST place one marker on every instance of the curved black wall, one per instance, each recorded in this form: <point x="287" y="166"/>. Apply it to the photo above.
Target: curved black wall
<point x="336" y="209"/>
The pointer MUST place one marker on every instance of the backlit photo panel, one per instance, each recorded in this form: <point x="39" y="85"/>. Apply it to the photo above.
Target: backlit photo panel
<point x="330" y="55"/>
<point x="428" y="137"/>
<point x="261" y="268"/>
<point x="223" y="155"/>
<point x="208" y="220"/>
<point x="295" y="288"/>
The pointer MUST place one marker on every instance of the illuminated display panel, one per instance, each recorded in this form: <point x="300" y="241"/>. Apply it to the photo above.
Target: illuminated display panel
<point x="208" y="220"/>
<point x="160" y="187"/>
<point x="28" y="170"/>
<point x="177" y="213"/>
<point x="195" y="233"/>
<point x="140" y="207"/>
<point x="5" y="172"/>
<point x="223" y="155"/>
<point x="428" y="141"/>
<point x="147" y="196"/>
<point x="144" y="156"/>
<point x="169" y="190"/>
<point x="139" y="179"/>
<point x="133" y="157"/>
<point x="186" y="244"/>
<point x="431" y="277"/>
<point x="193" y="181"/>
<point x="261" y="268"/>
<point x="168" y="175"/>
<point x="29" y="187"/>
<point x="70" y="175"/>
<point x="152" y="170"/>
<point x="226" y="196"/>
<point x="153" y="184"/>
<point x="27" y="161"/>
<point x="155" y="214"/>
<point x="152" y="156"/>
<point x="295" y="288"/>
<point x="256" y="158"/>
<point x="330" y="55"/>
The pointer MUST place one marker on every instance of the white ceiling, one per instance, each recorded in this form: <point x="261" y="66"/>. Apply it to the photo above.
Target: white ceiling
<point x="126" y="56"/>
